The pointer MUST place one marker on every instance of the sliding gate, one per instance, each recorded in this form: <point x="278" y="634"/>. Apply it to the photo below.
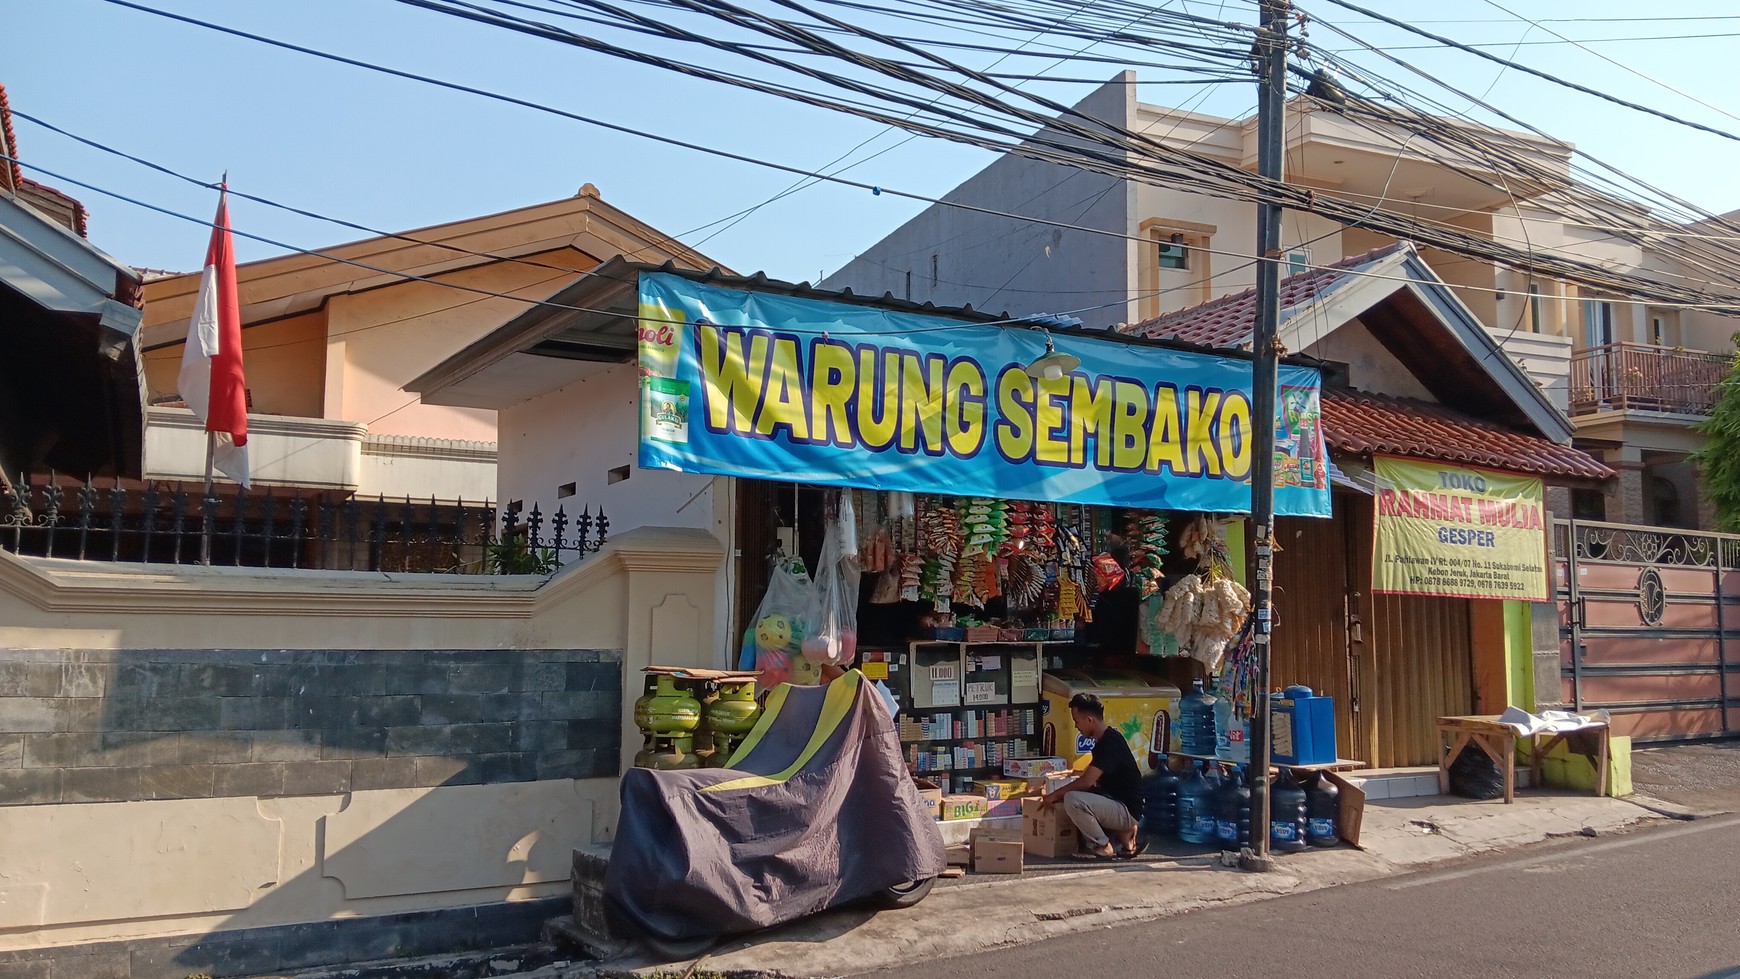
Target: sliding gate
<point x="1649" y="627"/>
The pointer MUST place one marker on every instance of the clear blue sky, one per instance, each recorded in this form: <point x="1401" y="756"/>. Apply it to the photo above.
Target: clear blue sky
<point x="397" y="154"/>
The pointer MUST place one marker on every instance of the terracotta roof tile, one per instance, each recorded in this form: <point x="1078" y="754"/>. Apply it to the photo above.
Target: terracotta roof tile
<point x="11" y="138"/>
<point x="1230" y="320"/>
<point x="1361" y="424"/>
<point x="81" y="217"/>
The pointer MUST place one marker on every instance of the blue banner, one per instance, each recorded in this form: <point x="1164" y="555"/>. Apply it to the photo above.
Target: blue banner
<point x="767" y="386"/>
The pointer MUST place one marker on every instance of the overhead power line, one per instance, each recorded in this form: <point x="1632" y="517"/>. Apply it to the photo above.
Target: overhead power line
<point x="1077" y="141"/>
<point x="1536" y="72"/>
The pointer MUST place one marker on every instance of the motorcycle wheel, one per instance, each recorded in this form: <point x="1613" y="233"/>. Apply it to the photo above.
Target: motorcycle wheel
<point x="677" y="949"/>
<point x="903" y="895"/>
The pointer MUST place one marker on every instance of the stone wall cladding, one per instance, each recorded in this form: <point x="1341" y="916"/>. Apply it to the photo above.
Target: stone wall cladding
<point x="125" y="725"/>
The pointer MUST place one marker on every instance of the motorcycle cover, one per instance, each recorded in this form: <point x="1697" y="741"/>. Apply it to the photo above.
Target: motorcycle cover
<point x="815" y="809"/>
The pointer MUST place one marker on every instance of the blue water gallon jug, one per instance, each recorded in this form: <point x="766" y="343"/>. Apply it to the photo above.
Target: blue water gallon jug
<point x="1160" y="800"/>
<point x="1195" y="810"/>
<point x="1232" y="812"/>
<point x="1287" y="819"/>
<point x="1322" y="809"/>
<point x="1196" y="721"/>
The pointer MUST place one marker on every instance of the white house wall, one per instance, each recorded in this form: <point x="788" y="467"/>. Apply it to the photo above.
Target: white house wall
<point x="588" y="434"/>
<point x="1007" y="264"/>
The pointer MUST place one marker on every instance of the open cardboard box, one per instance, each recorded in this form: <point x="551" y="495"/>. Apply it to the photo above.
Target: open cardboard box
<point x="1351" y="809"/>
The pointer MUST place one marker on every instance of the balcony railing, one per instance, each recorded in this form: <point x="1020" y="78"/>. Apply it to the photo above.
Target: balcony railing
<point x="1642" y="377"/>
<point x="171" y="524"/>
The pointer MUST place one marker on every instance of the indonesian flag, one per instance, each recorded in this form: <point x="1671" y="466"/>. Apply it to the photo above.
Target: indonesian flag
<point x="211" y="378"/>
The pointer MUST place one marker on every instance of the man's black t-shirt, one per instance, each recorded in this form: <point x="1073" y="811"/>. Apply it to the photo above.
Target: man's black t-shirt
<point x="1120" y="779"/>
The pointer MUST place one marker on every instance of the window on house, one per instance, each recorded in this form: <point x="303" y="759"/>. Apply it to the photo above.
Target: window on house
<point x="1298" y="260"/>
<point x="1174" y="253"/>
<point x="1536" y="321"/>
<point x="1657" y="335"/>
<point x="1175" y="266"/>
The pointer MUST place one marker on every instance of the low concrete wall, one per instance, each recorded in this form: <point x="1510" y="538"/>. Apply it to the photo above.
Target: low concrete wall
<point x="201" y="761"/>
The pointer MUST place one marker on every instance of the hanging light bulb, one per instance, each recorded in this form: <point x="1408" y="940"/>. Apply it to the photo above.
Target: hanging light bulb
<point x="1052" y="365"/>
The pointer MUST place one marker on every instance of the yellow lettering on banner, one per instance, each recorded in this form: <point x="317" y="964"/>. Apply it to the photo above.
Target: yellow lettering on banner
<point x="1015" y="404"/>
<point x="1235" y="418"/>
<point x="833" y="381"/>
<point x="965" y="424"/>
<point x="1201" y="407"/>
<point x="783" y="396"/>
<point x="1090" y="413"/>
<point x="733" y="383"/>
<point x="1166" y="436"/>
<point x="878" y="398"/>
<point x="921" y="396"/>
<point x="1129" y="426"/>
<point x="1050" y="442"/>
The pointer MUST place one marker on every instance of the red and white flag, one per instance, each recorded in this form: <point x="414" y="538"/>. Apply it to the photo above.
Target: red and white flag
<point x="211" y="378"/>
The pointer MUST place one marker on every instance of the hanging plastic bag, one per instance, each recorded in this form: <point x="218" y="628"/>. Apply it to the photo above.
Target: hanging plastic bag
<point x="776" y="635"/>
<point x="834" y="639"/>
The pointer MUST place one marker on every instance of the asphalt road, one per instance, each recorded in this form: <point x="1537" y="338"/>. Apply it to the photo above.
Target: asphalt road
<point x="1661" y="902"/>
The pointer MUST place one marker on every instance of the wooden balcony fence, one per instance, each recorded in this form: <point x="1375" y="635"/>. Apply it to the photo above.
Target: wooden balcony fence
<point x="1643" y="377"/>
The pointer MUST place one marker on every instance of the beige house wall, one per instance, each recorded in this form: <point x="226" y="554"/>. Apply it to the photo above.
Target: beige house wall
<point x="286" y="363"/>
<point x="96" y="872"/>
<point x="385" y="337"/>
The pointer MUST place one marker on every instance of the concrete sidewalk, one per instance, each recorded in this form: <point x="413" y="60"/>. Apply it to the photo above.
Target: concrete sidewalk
<point x="983" y="913"/>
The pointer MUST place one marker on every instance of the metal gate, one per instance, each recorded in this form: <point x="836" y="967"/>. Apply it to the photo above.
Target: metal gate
<point x="1649" y="628"/>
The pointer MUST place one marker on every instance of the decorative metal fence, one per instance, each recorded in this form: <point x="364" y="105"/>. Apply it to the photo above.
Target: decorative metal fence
<point x="173" y="524"/>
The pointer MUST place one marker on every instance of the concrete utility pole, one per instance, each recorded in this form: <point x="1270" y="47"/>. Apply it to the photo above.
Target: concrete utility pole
<point x="1269" y="61"/>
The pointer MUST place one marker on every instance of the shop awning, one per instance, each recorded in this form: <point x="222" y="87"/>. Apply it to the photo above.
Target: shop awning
<point x="1361" y="424"/>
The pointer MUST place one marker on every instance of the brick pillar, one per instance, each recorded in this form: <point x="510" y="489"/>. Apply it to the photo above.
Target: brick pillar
<point x="1625" y="495"/>
<point x="1706" y="507"/>
<point x="1558" y="500"/>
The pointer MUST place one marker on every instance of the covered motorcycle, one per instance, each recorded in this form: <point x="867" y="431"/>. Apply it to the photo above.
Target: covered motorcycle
<point x="815" y="810"/>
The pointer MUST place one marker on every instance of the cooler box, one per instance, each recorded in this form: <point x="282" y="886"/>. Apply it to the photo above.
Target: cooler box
<point x="1301" y="728"/>
<point x="1139" y="705"/>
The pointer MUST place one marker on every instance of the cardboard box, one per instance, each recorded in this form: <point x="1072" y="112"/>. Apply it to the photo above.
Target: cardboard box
<point x="997" y="789"/>
<point x="959" y="854"/>
<point x="964" y="806"/>
<point x="931" y="794"/>
<point x="1350" y="810"/>
<point x="1051" y="782"/>
<point x="1031" y="768"/>
<point x="1048" y="833"/>
<point x="997" y="855"/>
<point x="1003" y="808"/>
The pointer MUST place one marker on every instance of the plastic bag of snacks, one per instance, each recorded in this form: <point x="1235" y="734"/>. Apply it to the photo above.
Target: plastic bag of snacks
<point x="834" y="640"/>
<point x="775" y="636"/>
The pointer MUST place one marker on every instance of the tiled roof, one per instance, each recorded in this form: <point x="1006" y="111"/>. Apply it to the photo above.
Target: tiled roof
<point x="1360" y="423"/>
<point x="81" y="217"/>
<point x="11" y="139"/>
<point x="21" y="184"/>
<point x="1230" y="320"/>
